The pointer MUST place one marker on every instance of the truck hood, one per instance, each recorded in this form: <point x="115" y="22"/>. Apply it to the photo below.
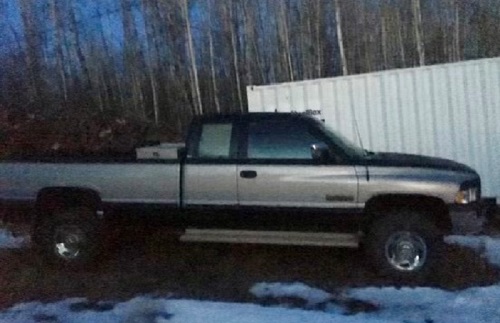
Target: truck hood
<point x="406" y="160"/>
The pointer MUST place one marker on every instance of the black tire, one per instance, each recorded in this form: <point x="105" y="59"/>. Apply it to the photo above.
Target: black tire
<point x="69" y="238"/>
<point x="409" y="235"/>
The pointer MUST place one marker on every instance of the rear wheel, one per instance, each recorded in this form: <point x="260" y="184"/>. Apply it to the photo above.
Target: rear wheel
<point x="69" y="238"/>
<point x="404" y="245"/>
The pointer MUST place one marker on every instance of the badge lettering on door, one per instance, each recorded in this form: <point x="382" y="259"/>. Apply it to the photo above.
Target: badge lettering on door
<point x="339" y="198"/>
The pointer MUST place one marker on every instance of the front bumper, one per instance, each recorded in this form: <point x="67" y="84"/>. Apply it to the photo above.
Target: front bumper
<point x="467" y="219"/>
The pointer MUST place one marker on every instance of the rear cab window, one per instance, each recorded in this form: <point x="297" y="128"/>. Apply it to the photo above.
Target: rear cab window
<point x="212" y="141"/>
<point x="215" y="140"/>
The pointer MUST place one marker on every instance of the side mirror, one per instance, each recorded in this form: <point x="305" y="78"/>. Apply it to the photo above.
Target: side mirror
<point x="320" y="152"/>
<point x="182" y="153"/>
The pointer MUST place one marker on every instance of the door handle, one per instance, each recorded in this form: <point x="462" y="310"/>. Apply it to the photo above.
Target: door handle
<point x="248" y="174"/>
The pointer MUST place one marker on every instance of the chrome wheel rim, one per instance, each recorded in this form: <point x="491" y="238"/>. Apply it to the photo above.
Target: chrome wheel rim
<point x="69" y="241"/>
<point x="406" y="251"/>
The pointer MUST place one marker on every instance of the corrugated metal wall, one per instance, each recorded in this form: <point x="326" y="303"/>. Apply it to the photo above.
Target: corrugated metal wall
<point x="449" y="110"/>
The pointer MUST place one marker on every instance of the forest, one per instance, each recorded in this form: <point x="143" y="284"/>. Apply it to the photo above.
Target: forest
<point x="163" y="61"/>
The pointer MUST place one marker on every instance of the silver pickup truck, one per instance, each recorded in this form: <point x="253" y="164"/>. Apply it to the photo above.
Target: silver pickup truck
<point x="255" y="178"/>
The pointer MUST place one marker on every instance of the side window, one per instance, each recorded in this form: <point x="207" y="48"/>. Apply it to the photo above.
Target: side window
<point x="279" y="140"/>
<point x="215" y="140"/>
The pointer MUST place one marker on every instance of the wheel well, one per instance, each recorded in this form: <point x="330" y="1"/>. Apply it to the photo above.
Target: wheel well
<point x="50" y="200"/>
<point x="433" y="208"/>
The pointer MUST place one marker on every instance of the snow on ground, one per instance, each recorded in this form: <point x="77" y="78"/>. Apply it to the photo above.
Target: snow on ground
<point x="312" y="296"/>
<point x="9" y="241"/>
<point x="431" y="305"/>
<point x="405" y="305"/>
<point x="144" y="309"/>
<point x="487" y="246"/>
<point x="388" y="304"/>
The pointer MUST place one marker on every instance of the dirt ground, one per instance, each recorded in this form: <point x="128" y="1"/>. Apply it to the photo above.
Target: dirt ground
<point x="142" y="260"/>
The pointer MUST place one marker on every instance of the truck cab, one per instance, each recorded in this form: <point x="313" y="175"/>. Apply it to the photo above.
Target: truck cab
<point x="267" y="162"/>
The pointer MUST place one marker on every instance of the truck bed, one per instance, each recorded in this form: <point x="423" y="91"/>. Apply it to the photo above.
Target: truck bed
<point x="117" y="182"/>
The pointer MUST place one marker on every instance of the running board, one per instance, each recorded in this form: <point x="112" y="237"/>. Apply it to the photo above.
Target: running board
<point x="273" y="237"/>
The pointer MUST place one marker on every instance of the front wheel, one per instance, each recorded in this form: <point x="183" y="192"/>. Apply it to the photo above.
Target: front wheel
<point x="69" y="238"/>
<point x="404" y="245"/>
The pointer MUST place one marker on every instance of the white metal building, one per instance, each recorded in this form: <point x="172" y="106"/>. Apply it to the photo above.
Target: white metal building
<point x="449" y="110"/>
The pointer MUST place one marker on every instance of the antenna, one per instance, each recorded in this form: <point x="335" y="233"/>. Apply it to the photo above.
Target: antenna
<point x="355" y="120"/>
<point x="356" y="127"/>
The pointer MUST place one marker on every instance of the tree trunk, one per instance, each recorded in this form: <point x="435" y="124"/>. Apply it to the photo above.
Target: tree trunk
<point x="383" y="26"/>
<point x="192" y="59"/>
<point x="234" y="47"/>
<point x="283" y="21"/>
<point x="134" y="63"/>
<point x="457" y="52"/>
<point x="58" y="27"/>
<point x="109" y="87"/>
<point x="151" y="62"/>
<point x="212" y="59"/>
<point x="33" y="48"/>
<point x="319" y="58"/>
<point x="402" y="53"/>
<point x="77" y="47"/>
<point x="419" y="38"/>
<point x="340" y="39"/>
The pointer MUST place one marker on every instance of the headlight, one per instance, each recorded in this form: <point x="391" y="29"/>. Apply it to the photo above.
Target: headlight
<point x="467" y="196"/>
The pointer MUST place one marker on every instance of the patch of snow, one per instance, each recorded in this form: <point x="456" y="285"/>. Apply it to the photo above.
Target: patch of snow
<point x="487" y="246"/>
<point x="431" y="305"/>
<point x="481" y="304"/>
<point x="144" y="309"/>
<point x="312" y="296"/>
<point x="9" y="241"/>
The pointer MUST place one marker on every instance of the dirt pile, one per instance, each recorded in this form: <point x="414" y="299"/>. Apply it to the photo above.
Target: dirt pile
<point x="68" y="134"/>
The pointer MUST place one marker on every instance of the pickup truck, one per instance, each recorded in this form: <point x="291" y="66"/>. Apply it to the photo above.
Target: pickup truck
<point x="273" y="178"/>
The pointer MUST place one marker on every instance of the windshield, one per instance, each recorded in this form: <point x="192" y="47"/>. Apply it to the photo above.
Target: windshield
<point x="338" y="139"/>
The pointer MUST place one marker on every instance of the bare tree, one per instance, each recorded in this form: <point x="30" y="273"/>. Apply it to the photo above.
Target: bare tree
<point x="284" y="35"/>
<point x="418" y="28"/>
<point x="385" y="41"/>
<point x="229" y="18"/>
<point x="401" y="45"/>
<point x="340" y="38"/>
<point x="306" y="40"/>
<point x="392" y="35"/>
<point x="33" y="46"/>
<point x="107" y="79"/>
<point x="457" y="53"/>
<point x="192" y="58"/>
<point x="76" y="45"/>
<point x="151" y="58"/>
<point x="319" y="41"/>
<point x="133" y="57"/>
<point x="59" y="41"/>
<point x="185" y="57"/>
<point x="213" y="72"/>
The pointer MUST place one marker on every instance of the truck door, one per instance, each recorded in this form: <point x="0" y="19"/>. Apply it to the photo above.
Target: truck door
<point x="278" y="170"/>
<point x="210" y="169"/>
